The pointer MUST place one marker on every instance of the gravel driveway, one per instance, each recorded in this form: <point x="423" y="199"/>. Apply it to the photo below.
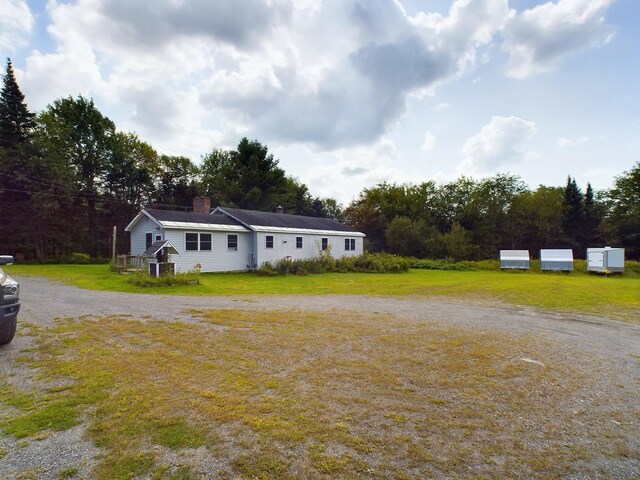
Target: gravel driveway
<point x="615" y="345"/>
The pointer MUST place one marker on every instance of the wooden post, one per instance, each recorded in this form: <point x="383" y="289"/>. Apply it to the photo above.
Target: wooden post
<point x="113" y="246"/>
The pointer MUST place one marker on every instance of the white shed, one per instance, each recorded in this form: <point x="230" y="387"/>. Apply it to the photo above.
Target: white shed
<point x="514" y="259"/>
<point x="605" y="260"/>
<point x="556" y="259"/>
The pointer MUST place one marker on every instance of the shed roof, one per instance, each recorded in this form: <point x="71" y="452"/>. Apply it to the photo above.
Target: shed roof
<point x="159" y="245"/>
<point x="556" y="255"/>
<point x="514" y="254"/>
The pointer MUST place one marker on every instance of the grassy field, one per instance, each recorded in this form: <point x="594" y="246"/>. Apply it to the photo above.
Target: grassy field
<point x="290" y="394"/>
<point x="614" y="296"/>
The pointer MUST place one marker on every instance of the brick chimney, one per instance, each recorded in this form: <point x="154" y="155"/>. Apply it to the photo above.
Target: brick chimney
<point x="279" y="209"/>
<point x="202" y="205"/>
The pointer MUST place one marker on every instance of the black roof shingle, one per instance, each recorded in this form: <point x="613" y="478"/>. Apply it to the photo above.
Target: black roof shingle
<point x="283" y="220"/>
<point x="238" y="217"/>
<point x="173" y="216"/>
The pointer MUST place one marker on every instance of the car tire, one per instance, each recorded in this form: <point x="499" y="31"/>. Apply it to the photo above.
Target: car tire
<point x="8" y="330"/>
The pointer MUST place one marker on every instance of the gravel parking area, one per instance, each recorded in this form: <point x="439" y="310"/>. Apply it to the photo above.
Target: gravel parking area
<point x="612" y="348"/>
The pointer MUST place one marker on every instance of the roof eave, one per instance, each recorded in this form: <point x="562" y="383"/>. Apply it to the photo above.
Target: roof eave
<point x="138" y="217"/>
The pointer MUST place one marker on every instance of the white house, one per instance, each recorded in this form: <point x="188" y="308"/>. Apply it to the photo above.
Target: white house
<point x="231" y="239"/>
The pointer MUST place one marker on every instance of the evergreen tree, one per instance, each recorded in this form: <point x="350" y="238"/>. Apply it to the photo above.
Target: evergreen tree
<point x="573" y="212"/>
<point x="16" y="121"/>
<point x="592" y="217"/>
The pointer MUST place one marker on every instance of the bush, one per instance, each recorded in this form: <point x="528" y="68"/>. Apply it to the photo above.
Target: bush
<point x="450" y="264"/>
<point x="143" y="279"/>
<point x="76" y="258"/>
<point x="366" y="263"/>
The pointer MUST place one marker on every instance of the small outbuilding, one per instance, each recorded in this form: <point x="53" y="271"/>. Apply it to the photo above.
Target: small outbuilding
<point x="514" y="259"/>
<point x="158" y="257"/>
<point x="556" y="259"/>
<point x="605" y="260"/>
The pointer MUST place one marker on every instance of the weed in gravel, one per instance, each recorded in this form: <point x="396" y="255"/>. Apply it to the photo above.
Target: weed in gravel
<point x="68" y="472"/>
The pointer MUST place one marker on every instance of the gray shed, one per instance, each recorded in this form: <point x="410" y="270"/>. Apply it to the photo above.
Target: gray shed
<point x="605" y="260"/>
<point x="556" y="259"/>
<point x="514" y="259"/>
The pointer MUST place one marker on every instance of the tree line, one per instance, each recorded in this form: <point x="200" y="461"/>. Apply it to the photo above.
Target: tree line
<point x="67" y="175"/>
<point x="473" y="219"/>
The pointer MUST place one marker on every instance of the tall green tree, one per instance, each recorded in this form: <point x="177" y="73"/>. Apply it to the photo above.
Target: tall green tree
<point x="573" y="213"/>
<point x="624" y="211"/>
<point x="406" y="237"/>
<point x="77" y="132"/>
<point x="248" y="177"/>
<point x="179" y="182"/>
<point x="16" y="121"/>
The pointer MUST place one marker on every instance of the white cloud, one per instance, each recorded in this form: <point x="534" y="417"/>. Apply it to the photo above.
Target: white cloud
<point x="333" y="77"/>
<point x="342" y="173"/>
<point x="571" y="142"/>
<point x="60" y="74"/>
<point x="501" y="142"/>
<point x="16" y="23"/>
<point x="329" y="74"/>
<point x="429" y="141"/>
<point x="539" y="38"/>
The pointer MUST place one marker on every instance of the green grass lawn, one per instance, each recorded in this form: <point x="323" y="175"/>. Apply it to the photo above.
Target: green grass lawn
<point x="614" y="296"/>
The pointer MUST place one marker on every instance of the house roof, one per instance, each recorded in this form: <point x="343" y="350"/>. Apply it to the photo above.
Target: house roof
<point x="188" y="220"/>
<point x="235" y="219"/>
<point x="274" y="222"/>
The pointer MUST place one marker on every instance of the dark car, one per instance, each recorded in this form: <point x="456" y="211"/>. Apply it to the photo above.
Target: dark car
<point x="9" y="302"/>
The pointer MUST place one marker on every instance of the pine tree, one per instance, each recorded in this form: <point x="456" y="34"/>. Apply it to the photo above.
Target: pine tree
<point x="573" y="212"/>
<point x="592" y="218"/>
<point x="16" y="121"/>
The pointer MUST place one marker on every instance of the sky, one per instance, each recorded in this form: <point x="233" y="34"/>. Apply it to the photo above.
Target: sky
<point x="350" y="93"/>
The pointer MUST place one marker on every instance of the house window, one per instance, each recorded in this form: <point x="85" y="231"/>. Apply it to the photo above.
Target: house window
<point x="349" y="243"/>
<point x="158" y="238"/>
<point x="325" y="243"/>
<point x="298" y="242"/>
<point x="232" y="242"/>
<point x="269" y="241"/>
<point x="205" y="241"/>
<point x="148" y="241"/>
<point x="197" y="241"/>
<point x="191" y="241"/>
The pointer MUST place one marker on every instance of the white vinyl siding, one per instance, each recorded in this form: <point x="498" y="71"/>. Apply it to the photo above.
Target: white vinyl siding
<point x="218" y="259"/>
<point x="139" y="233"/>
<point x="285" y="246"/>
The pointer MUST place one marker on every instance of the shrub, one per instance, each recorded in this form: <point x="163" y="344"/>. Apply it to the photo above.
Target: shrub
<point x="366" y="263"/>
<point x="451" y="264"/>
<point x="143" y="279"/>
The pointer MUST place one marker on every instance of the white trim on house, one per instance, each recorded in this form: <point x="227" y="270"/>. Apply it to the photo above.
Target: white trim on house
<point x="203" y="226"/>
<point x="139" y="217"/>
